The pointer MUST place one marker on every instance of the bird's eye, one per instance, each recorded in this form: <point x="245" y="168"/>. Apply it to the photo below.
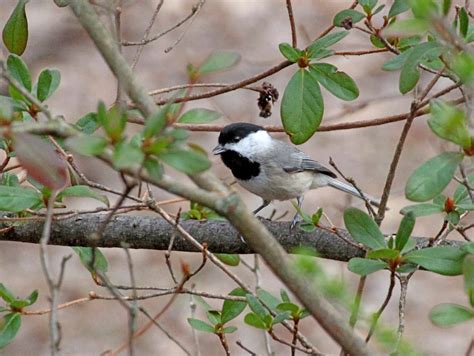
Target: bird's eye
<point x="237" y="138"/>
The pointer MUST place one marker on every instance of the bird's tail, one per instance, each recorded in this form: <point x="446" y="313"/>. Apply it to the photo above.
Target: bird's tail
<point x="351" y="190"/>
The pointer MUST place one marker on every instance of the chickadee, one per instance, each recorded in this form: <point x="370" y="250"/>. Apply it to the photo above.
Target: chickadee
<point x="273" y="169"/>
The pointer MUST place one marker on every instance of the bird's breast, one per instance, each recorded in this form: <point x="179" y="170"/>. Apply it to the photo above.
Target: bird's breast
<point x="278" y="185"/>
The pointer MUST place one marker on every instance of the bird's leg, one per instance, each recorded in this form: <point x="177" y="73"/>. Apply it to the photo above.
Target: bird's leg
<point x="264" y="204"/>
<point x="297" y="217"/>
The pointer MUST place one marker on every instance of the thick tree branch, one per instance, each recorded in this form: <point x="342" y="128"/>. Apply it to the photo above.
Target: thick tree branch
<point x="147" y="232"/>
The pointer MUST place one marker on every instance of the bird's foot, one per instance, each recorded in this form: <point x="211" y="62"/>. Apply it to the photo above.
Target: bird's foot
<point x="295" y="222"/>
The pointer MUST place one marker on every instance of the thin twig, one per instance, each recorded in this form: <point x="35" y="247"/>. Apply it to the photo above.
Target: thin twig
<point x="181" y="36"/>
<point x="351" y="181"/>
<point x="140" y="47"/>
<point x="170" y="247"/>
<point x="289" y="8"/>
<point x="401" y="307"/>
<point x="171" y="337"/>
<point x="239" y="343"/>
<point x="147" y="326"/>
<point x="52" y="286"/>
<point x="194" y="10"/>
<point x="224" y="343"/>
<point x="134" y="305"/>
<point x="382" y="307"/>
<point x="192" y="307"/>
<point x="278" y="339"/>
<point x="58" y="307"/>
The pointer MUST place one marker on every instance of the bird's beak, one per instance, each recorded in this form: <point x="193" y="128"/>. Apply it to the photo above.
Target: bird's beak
<point x="218" y="150"/>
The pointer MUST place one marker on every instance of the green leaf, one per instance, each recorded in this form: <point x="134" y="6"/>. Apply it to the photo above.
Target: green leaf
<point x="289" y="52"/>
<point x="201" y="325"/>
<point x="368" y="5"/>
<point x="10" y="179"/>
<point x="404" y="231"/>
<point x="48" y="82"/>
<point x="214" y="316"/>
<point x="466" y="206"/>
<point x="446" y="315"/>
<point x="86" y="255"/>
<point x="88" y="124"/>
<point x="292" y="308"/>
<point x="87" y="145"/>
<point x="199" y="116"/>
<point x="114" y="122"/>
<point x="6" y="295"/>
<point x="430" y="179"/>
<point x="21" y="303"/>
<point x="410" y="74"/>
<point x="267" y="298"/>
<point x="127" y="155"/>
<point x="284" y="296"/>
<point x="410" y="245"/>
<point x="40" y="159"/>
<point x="364" y="266"/>
<point x="398" y="7"/>
<point x="83" y="191"/>
<point x="383" y="253"/>
<point x="156" y="122"/>
<point x="230" y="259"/>
<point x="325" y="42"/>
<point x="449" y="122"/>
<point x="461" y="192"/>
<point x="346" y="18"/>
<point x="463" y="22"/>
<point x="302" y="107"/>
<point x="453" y="217"/>
<point x="468" y="272"/>
<point x="15" y="32"/>
<point x="422" y="209"/>
<point x="377" y="42"/>
<point x="9" y="327"/>
<point x="231" y="309"/>
<point x="463" y="65"/>
<point x="187" y="161"/>
<point x="19" y="70"/>
<point x="219" y="61"/>
<point x="468" y="248"/>
<point x="306" y="227"/>
<point x="446" y="6"/>
<point x="397" y="62"/>
<point x="338" y="83"/>
<point x="32" y="298"/>
<point x="154" y="168"/>
<point x="256" y="306"/>
<point x="229" y="329"/>
<point x="407" y="27"/>
<point x="254" y="320"/>
<point x="18" y="199"/>
<point x="281" y="317"/>
<point x="446" y="260"/>
<point x="363" y="229"/>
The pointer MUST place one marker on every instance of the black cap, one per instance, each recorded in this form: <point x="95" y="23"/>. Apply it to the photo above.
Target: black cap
<point x="235" y="132"/>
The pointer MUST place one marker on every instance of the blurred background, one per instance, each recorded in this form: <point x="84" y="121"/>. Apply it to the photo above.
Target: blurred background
<point x="254" y="29"/>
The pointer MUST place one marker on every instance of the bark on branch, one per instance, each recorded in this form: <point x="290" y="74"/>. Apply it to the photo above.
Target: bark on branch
<point x="146" y="232"/>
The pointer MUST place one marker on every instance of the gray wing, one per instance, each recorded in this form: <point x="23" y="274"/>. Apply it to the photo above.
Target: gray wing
<point x="293" y="161"/>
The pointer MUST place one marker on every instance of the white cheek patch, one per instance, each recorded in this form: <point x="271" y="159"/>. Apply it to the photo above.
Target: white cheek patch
<point x="253" y="144"/>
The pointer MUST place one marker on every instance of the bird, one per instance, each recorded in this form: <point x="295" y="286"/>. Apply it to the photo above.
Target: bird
<point x="274" y="169"/>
